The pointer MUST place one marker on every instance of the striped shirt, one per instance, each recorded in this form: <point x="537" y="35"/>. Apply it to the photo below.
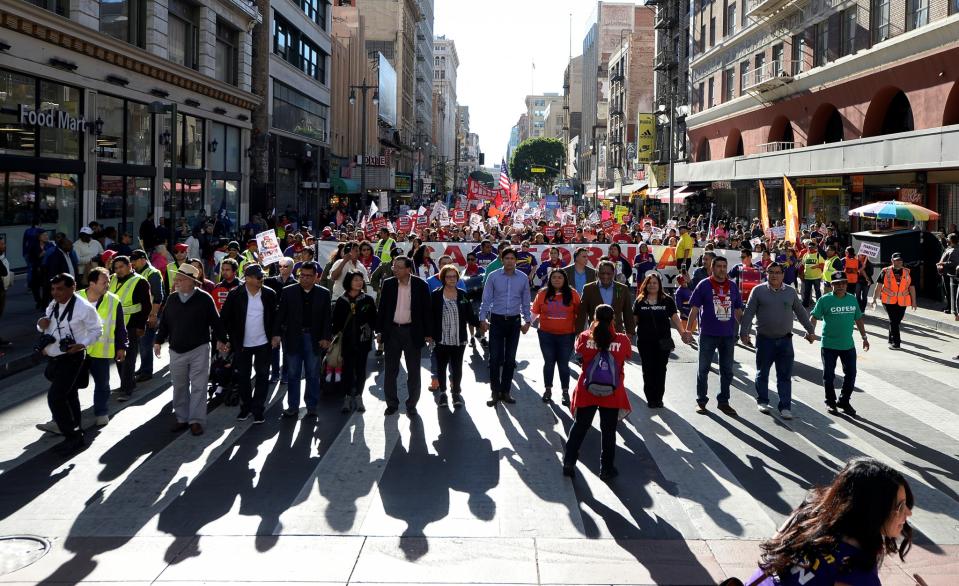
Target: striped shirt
<point x="449" y="335"/>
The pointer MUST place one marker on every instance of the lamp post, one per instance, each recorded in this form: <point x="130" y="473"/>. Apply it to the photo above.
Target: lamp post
<point x="419" y="145"/>
<point x="161" y="108"/>
<point x="596" y="151"/>
<point x="364" y="88"/>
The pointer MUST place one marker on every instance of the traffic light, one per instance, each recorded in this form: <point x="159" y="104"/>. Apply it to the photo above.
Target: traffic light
<point x="482" y="160"/>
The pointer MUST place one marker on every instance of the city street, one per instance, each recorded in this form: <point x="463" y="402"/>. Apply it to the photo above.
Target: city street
<point x="474" y="495"/>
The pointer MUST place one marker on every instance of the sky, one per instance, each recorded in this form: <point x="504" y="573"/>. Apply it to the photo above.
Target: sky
<point x="497" y="42"/>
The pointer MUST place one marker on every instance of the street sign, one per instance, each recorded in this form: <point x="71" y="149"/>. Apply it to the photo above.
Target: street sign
<point x="537" y="169"/>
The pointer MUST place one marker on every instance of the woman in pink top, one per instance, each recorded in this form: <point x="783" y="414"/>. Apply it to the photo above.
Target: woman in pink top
<point x="600" y="342"/>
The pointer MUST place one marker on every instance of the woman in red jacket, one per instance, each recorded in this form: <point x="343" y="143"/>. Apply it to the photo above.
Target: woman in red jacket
<point x="601" y="342"/>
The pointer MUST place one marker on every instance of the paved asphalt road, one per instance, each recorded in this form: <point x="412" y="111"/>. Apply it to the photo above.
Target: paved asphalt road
<point x="473" y="495"/>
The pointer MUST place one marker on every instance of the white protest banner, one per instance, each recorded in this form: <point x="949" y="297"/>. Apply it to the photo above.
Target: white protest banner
<point x="475" y="221"/>
<point x="756" y="242"/>
<point x="268" y="248"/>
<point x="869" y="249"/>
<point x="779" y="232"/>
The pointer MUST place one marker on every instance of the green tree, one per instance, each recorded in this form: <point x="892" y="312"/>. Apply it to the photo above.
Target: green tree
<point x="484" y="178"/>
<point x="547" y="153"/>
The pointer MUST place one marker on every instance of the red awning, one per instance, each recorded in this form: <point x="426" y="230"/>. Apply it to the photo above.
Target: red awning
<point x="679" y="194"/>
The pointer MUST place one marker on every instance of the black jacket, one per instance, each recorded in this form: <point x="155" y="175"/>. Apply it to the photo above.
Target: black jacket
<point x="233" y="314"/>
<point x="359" y="333"/>
<point x="277" y="286"/>
<point x="188" y="325"/>
<point x="290" y="317"/>
<point x="422" y="317"/>
<point x="465" y="307"/>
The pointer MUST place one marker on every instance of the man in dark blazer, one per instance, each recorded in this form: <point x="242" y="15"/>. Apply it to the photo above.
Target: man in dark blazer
<point x="61" y="259"/>
<point x="303" y="325"/>
<point x="404" y="322"/>
<point x="249" y="316"/>
<point x="607" y="290"/>
<point x="579" y="273"/>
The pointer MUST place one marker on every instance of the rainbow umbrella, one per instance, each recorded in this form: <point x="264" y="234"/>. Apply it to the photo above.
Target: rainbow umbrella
<point x="895" y="210"/>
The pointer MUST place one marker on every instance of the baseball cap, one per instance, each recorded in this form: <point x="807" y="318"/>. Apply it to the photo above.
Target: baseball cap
<point x="107" y="255"/>
<point x="138" y="254"/>
<point x="86" y="230"/>
<point x="234" y="245"/>
<point x="253" y="270"/>
<point x="180" y="247"/>
<point x="896" y="256"/>
<point x="838" y="278"/>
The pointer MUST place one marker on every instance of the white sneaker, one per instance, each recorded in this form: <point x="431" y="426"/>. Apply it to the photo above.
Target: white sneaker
<point x="102" y="420"/>
<point x="49" y="427"/>
<point x="763" y="408"/>
<point x="786" y="414"/>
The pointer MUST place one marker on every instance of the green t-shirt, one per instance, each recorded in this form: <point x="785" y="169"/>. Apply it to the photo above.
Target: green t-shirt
<point x="839" y="319"/>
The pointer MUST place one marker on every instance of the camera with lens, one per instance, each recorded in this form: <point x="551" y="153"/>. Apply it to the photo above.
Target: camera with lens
<point x="66" y="342"/>
<point x="44" y="341"/>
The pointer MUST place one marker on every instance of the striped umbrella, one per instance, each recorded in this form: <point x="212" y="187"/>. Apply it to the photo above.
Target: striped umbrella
<point x="895" y="210"/>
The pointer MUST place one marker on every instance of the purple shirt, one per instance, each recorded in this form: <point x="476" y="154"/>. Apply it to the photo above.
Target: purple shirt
<point x="829" y="569"/>
<point x="717" y="315"/>
<point x="484" y="258"/>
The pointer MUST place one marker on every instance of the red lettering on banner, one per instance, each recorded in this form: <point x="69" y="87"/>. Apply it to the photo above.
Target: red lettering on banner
<point x="667" y="258"/>
<point x="456" y="253"/>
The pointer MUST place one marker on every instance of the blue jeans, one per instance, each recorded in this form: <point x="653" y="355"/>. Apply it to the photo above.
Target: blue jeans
<point x="503" y="341"/>
<point x="778" y="351"/>
<point x="146" y="351"/>
<point x="708" y="346"/>
<point x="848" y="359"/>
<point x="556" y="348"/>
<point x="307" y="359"/>
<point x="275" y="370"/>
<point x="100" y="373"/>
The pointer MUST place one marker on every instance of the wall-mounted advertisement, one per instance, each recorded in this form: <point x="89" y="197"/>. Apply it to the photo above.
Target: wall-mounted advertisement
<point x="387" y="89"/>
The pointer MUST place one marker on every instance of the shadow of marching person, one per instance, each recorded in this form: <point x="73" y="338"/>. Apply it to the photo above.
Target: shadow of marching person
<point x="470" y="463"/>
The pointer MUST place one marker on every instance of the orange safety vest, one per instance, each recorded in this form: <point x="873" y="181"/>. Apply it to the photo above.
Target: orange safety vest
<point x="852" y="270"/>
<point x="894" y="293"/>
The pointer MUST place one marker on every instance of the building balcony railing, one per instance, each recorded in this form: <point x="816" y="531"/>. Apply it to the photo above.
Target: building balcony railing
<point x="766" y="8"/>
<point x="616" y="77"/>
<point x="770" y="76"/>
<point x="664" y="19"/>
<point x="773" y="147"/>
<point x="665" y="60"/>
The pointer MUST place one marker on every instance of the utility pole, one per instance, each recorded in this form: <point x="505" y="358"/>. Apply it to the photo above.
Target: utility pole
<point x="456" y="164"/>
<point x="161" y="108"/>
<point x="364" y="88"/>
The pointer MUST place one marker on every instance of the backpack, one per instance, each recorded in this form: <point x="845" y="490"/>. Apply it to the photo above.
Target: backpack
<point x="601" y="375"/>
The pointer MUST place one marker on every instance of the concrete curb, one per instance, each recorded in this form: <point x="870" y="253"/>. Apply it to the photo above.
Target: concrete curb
<point x="16" y="365"/>
<point x="950" y="327"/>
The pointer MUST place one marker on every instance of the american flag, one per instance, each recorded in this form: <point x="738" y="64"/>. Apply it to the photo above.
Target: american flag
<point x="503" y="176"/>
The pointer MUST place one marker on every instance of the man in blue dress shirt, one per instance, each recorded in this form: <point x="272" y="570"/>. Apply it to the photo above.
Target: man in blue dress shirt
<point x="505" y="312"/>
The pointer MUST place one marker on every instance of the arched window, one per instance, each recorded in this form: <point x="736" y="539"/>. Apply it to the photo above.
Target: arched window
<point x="702" y="153"/>
<point x="826" y="126"/>
<point x="889" y="112"/>
<point x="734" y="144"/>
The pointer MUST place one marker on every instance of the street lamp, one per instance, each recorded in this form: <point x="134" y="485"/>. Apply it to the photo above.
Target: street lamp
<point x="364" y="88"/>
<point x="596" y="152"/>
<point x="420" y="141"/>
<point x="668" y="118"/>
<point x="161" y="108"/>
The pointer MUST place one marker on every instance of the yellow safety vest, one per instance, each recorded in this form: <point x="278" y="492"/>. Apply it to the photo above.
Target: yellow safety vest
<point x="171" y="271"/>
<point x="245" y="259"/>
<point x="831" y="267"/>
<point x="384" y="250"/>
<point x="125" y="293"/>
<point x="107" y="310"/>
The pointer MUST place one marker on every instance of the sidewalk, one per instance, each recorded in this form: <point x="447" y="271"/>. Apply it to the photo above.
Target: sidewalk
<point x="18" y="326"/>
<point x="929" y="315"/>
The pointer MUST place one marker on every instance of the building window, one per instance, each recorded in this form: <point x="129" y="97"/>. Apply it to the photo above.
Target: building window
<point x="880" y="20"/>
<point x="760" y="67"/>
<point x="298" y="113"/>
<point x="295" y="48"/>
<point x="282" y="38"/>
<point x="60" y="7"/>
<point x="702" y="38"/>
<point x="917" y="13"/>
<point x="744" y="80"/>
<point x="730" y="21"/>
<point x="821" y="48"/>
<point x="798" y="54"/>
<point x="315" y="10"/>
<point x="729" y="84"/>
<point x="711" y="101"/>
<point x="227" y="53"/>
<point x="16" y="89"/>
<point x="847" y="30"/>
<point x="777" y="63"/>
<point x="712" y="31"/>
<point x="190" y="143"/>
<point x="183" y="34"/>
<point x="125" y="20"/>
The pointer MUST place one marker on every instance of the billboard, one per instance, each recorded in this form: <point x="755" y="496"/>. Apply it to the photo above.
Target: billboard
<point x="404" y="183"/>
<point x="645" y="138"/>
<point x="387" y="89"/>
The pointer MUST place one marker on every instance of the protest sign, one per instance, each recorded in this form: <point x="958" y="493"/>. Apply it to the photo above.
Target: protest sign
<point x="869" y="249"/>
<point x="569" y="231"/>
<point x="268" y="248"/>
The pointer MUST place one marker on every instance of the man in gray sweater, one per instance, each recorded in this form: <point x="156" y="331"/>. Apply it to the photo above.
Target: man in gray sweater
<point x="773" y="305"/>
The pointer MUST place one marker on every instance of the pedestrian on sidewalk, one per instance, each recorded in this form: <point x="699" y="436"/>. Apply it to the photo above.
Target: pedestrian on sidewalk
<point x="303" y="327"/>
<point x="841" y="533"/>
<point x="607" y="291"/>
<point x="839" y="313"/>
<point x="897" y="292"/>
<point x="86" y="249"/>
<point x="505" y="313"/>
<point x="555" y="310"/>
<point x="277" y="283"/>
<point x="188" y="321"/>
<point x="249" y="317"/>
<point x="774" y="304"/>
<point x="452" y="311"/>
<point x="134" y="293"/>
<point x="354" y="319"/>
<point x="404" y="323"/>
<point x="600" y="388"/>
<point x="6" y="281"/>
<point x="112" y="345"/>
<point x="656" y="313"/>
<point x="718" y="301"/>
<point x="69" y="327"/>
<point x="141" y="264"/>
<point x="948" y="269"/>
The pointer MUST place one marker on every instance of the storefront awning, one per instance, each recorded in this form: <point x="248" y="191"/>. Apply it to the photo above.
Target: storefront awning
<point x="345" y="186"/>
<point x="680" y="193"/>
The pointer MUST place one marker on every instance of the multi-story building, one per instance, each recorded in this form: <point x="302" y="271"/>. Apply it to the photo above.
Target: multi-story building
<point x="445" y="64"/>
<point x="86" y="93"/>
<point x="536" y="108"/>
<point x="630" y="94"/>
<point x="555" y="120"/>
<point x="606" y="27"/>
<point x="854" y="102"/>
<point x="513" y="142"/>
<point x="523" y="125"/>
<point x="292" y="160"/>
<point x="573" y="97"/>
<point x="424" y="74"/>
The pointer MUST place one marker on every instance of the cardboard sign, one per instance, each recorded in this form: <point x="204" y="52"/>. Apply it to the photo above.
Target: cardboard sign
<point x="459" y="216"/>
<point x="404" y="224"/>
<point x="756" y="242"/>
<point x="550" y="231"/>
<point x="475" y="221"/>
<point x="569" y="231"/>
<point x="869" y="249"/>
<point x="268" y="248"/>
